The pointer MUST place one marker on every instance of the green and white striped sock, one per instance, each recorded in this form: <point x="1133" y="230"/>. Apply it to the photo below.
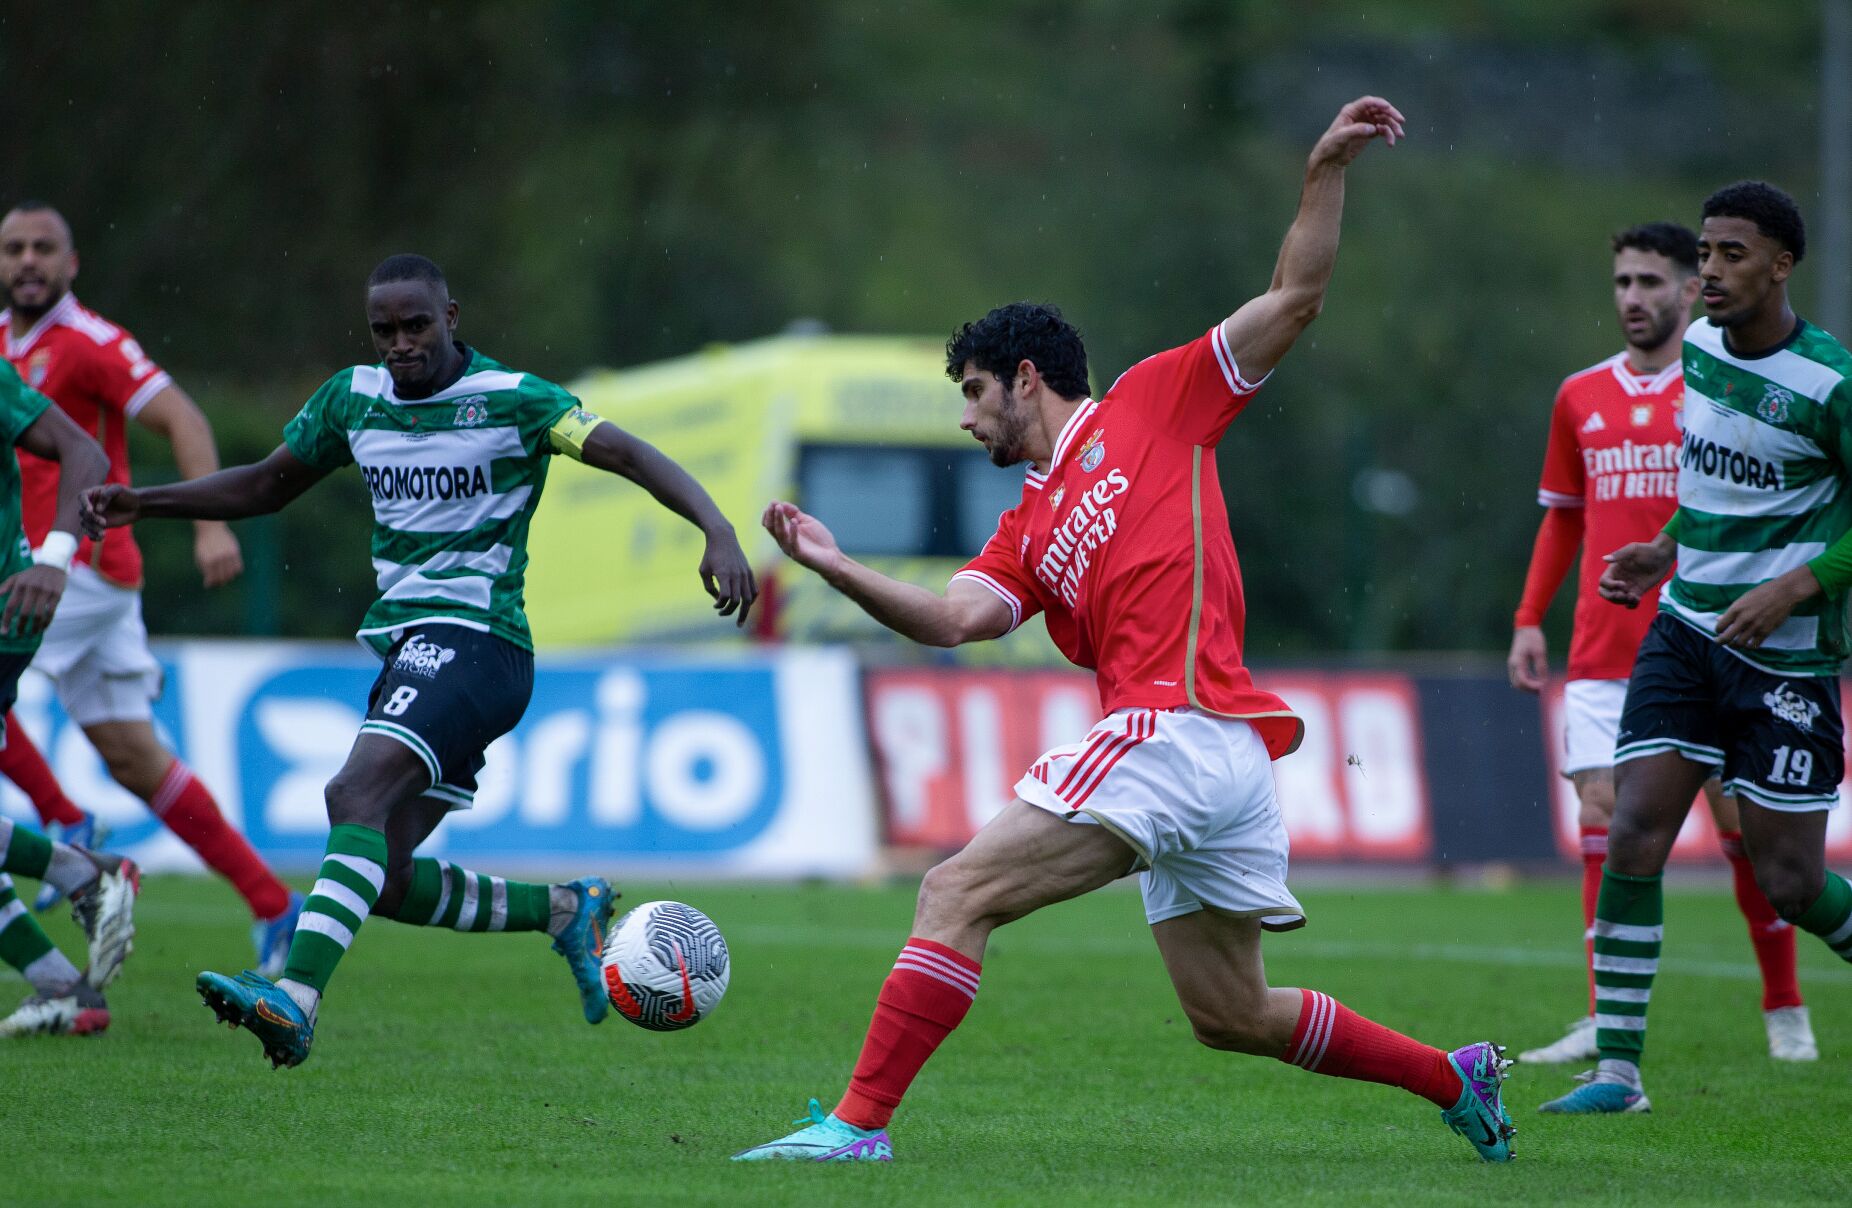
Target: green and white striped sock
<point x="33" y="855"/>
<point x="25" y="946"/>
<point x="1830" y="916"/>
<point x="353" y="873"/>
<point x="443" y="895"/>
<point x="1629" y="929"/>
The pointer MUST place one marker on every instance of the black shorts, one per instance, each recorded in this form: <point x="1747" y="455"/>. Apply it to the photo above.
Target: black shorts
<point x="13" y="664"/>
<point x="447" y="692"/>
<point x="1777" y="740"/>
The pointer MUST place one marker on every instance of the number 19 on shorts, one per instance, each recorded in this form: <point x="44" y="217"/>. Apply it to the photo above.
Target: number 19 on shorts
<point x="1792" y="765"/>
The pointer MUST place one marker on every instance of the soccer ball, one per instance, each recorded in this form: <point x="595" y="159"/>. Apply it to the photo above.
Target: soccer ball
<point x="665" y="966"/>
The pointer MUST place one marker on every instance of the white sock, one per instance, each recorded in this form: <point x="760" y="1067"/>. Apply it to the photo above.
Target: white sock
<point x="306" y="997"/>
<point x="70" y="870"/>
<point x="1624" y="1072"/>
<point x="52" y="974"/>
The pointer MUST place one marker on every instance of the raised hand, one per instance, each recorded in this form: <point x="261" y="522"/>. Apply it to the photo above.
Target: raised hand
<point x="803" y="538"/>
<point x="1356" y="124"/>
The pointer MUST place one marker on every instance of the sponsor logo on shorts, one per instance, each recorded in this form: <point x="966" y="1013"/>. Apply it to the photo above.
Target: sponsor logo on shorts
<point x="1791" y="707"/>
<point x="421" y="656"/>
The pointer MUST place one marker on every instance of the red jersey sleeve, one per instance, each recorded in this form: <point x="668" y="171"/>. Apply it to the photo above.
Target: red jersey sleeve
<point x="1563" y="484"/>
<point x="1193" y="391"/>
<point x="122" y="376"/>
<point x="999" y="568"/>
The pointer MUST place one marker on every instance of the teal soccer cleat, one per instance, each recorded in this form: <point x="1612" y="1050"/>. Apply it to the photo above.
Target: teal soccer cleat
<point x="1598" y="1096"/>
<point x="1480" y="1115"/>
<point x="252" y="1002"/>
<point x="823" y="1139"/>
<point x="582" y="943"/>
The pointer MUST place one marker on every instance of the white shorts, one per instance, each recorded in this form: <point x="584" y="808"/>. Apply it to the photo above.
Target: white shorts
<point x="1591" y="721"/>
<point x="1192" y="794"/>
<point x="96" y="652"/>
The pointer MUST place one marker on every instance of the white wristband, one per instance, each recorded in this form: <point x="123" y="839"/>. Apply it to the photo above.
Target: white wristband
<point x="58" y="549"/>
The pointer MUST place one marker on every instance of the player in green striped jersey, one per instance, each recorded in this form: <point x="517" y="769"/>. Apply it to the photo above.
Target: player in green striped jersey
<point x="454" y="448"/>
<point x="1738" y="675"/>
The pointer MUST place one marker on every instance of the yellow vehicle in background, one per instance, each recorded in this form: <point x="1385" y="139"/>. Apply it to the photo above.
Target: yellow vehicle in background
<point x="860" y="431"/>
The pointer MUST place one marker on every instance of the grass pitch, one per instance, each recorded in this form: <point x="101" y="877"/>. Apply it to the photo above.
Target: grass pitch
<point x="452" y="1068"/>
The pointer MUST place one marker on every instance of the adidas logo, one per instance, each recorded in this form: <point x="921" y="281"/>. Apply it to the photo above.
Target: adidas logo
<point x="1595" y="423"/>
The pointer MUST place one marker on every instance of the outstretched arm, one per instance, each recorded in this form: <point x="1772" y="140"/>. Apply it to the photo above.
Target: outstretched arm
<point x="253" y="490"/>
<point x="32" y="595"/>
<point x="177" y="420"/>
<point x="725" y="573"/>
<point x="1262" y="330"/>
<point x="966" y="612"/>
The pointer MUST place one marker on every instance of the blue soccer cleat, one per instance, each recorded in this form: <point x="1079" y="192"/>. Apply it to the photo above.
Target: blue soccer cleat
<point x="88" y="834"/>
<point x="271" y="938"/>
<point x="1598" y="1096"/>
<point x="582" y="943"/>
<point x="1480" y="1115"/>
<point x="253" y="1003"/>
<point x="823" y="1139"/>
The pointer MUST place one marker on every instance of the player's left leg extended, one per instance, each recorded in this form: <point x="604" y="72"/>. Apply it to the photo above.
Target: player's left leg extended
<point x="1215" y="964"/>
<point x="1789" y="849"/>
<point x="1023" y="859"/>
<point x="424" y="892"/>
<point x="1784" y="1015"/>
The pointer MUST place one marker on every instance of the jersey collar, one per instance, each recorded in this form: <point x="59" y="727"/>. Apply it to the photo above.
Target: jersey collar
<point x="1633" y="385"/>
<point x="1070" y="430"/>
<point x="61" y="311"/>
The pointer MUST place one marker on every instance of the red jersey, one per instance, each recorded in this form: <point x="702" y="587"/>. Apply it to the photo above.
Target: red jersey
<point x="101" y="377"/>
<point x="1124" y="543"/>
<point x="1613" y="451"/>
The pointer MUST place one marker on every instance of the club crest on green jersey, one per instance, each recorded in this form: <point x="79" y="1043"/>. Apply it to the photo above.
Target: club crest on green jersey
<point x="471" y="411"/>
<point x="1775" y="403"/>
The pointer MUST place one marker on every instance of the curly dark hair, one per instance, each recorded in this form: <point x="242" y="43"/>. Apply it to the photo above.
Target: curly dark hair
<point x="1773" y="212"/>
<point x="1676" y="243"/>
<point x="1022" y="331"/>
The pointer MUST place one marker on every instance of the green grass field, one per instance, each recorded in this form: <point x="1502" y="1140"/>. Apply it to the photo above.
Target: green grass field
<point x="453" y="1068"/>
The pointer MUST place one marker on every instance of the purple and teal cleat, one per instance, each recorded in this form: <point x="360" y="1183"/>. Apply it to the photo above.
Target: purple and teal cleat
<point x="823" y="1139"/>
<point x="1599" y="1096"/>
<point x="252" y="1002"/>
<point x="1480" y="1115"/>
<point x="582" y="943"/>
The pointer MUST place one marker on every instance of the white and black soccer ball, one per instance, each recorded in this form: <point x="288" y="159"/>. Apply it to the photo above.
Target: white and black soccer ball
<point x="665" y="966"/>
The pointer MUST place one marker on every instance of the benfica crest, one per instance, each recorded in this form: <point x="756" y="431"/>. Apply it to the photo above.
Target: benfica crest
<point x="37" y="366"/>
<point x="1094" y="451"/>
<point x="1642" y="414"/>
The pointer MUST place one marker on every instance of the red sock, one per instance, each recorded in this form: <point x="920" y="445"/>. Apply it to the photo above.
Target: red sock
<point x="1773" y="938"/>
<point x="21" y="763"/>
<point x="187" y="808"/>
<point x="923" y="999"/>
<point x="1594" y="855"/>
<point x="1333" y="1039"/>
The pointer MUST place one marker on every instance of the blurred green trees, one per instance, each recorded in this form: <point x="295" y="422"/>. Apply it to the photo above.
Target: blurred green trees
<point x="610" y="184"/>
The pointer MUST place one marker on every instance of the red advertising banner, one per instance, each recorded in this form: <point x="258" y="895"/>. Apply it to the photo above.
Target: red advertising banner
<point x="1697" y="841"/>
<point x="950" y="742"/>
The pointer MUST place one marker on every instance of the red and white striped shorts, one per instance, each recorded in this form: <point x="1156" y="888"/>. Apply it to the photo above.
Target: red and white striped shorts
<point x="1192" y="794"/>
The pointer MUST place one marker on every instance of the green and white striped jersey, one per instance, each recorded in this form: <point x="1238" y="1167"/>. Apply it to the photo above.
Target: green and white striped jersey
<point x="1764" y="486"/>
<point x="455" y="479"/>
<point x="20" y="408"/>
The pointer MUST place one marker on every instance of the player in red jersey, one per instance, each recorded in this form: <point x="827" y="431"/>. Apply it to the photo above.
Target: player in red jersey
<point x="1122" y="541"/>
<point x="1610" y="473"/>
<point x="96" y="649"/>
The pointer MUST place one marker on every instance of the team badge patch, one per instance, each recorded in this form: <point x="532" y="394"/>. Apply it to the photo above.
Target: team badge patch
<point x="472" y="411"/>
<point x="1791" y="707"/>
<point x="1642" y="414"/>
<point x="1775" y="403"/>
<point x="1094" y="451"/>
<point x="421" y="656"/>
<point x="37" y="367"/>
<point x="1054" y="501"/>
